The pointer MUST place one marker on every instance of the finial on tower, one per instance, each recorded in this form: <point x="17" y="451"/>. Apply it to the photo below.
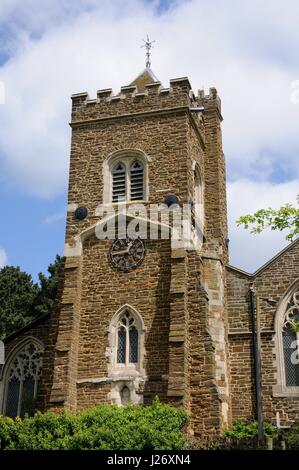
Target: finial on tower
<point x="148" y="46"/>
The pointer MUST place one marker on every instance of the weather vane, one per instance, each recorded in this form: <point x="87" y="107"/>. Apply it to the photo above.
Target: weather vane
<point x="148" y="46"/>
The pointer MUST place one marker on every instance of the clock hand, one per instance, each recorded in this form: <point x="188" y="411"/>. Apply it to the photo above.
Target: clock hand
<point x="121" y="252"/>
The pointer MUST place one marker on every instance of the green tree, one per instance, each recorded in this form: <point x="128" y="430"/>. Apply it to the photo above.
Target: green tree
<point x="47" y="293"/>
<point x="22" y="300"/>
<point x="17" y="293"/>
<point x="284" y="218"/>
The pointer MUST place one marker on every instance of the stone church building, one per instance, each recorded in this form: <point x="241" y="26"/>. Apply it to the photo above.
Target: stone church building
<point x="142" y="317"/>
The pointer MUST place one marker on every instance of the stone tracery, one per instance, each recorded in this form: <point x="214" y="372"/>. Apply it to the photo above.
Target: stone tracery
<point x="23" y="375"/>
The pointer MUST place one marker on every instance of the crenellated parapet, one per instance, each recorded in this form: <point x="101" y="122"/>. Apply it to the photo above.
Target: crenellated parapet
<point x="131" y="100"/>
<point x="210" y="101"/>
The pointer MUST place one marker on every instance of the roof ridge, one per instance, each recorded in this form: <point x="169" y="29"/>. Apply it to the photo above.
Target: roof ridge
<point x="268" y="263"/>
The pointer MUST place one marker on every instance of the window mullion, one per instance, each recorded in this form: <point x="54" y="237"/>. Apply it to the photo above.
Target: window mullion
<point x="116" y="343"/>
<point x="35" y="388"/>
<point x="20" y="397"/>
<point x="128" y="183"/>
<point x="127" y="346"/>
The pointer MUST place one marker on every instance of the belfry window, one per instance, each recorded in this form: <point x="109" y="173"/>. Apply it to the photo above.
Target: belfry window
<point x="128" y="181"/>
<point x="119" y="183"/>
<point x="136" y="181"/>
<point x="127" y="340"/>
<point x="22" y="378"/>
<point x="290" y="341"/>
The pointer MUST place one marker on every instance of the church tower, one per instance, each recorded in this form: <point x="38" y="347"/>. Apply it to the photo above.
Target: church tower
<point x="144" y="316"/>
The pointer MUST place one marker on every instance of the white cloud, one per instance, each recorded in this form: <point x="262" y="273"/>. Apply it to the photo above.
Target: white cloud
<point x="248" y="50"/>
<point x="52" y="219"/>
<point x="88" y="45"/>
<point x="249" y="251"/>
<point x="3" y="258"/>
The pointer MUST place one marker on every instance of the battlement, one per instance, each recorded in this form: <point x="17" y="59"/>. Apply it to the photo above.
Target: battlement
<point x="136" y="98"/>
<point x="131" y="99"/>
<point x="209" y="101"/>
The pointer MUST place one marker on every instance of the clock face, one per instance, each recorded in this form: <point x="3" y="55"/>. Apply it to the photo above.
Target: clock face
<point x="126" y="254"/>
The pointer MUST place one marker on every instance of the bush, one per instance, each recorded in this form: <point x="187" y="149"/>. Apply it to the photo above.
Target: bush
<point x="245" y="430"/>
<point x="104" y="427"/>
<point x="291" y="437"/>
<point x="243" y="435"/>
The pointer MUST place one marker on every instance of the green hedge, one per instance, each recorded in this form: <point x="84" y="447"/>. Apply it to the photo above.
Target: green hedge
<point x="242" y="429"/>
<point x="104" y="427"/>
<point x="244" y="435"/>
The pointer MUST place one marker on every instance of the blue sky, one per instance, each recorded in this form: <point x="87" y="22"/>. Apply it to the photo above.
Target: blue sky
<point x="50" y="49"/>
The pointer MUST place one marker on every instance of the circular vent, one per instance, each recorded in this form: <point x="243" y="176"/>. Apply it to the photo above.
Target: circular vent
<point x="171" y="199"/>
<point x="81" y="213"/>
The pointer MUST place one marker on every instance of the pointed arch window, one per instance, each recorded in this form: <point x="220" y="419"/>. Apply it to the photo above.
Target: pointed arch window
<point x="126" y="343"/>
<point x="127" y="339"/>
<point x="290" y="341"/>
<point x="126" y="353"/>
<point x="21" y="380"/>
<point x="198" y="202"/>
<point x="287" y="344"/>
<point x="128" y="177"/>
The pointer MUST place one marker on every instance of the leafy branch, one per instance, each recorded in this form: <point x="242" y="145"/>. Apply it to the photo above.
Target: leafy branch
<point x="286" y="217"/>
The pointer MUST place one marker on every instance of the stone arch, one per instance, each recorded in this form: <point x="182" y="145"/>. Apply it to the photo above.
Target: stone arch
<point x="123" y="155"/>
<point x="288" y="303"/>
<point x="23" y="367"/>
<point x="112" y="339"/>
<point x="125" y="375"/>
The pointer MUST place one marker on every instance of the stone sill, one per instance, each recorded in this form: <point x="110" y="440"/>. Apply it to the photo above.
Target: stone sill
<point x="248" y="333"/>
<point x="285" y="392"/>
<point x="120" y="378"/>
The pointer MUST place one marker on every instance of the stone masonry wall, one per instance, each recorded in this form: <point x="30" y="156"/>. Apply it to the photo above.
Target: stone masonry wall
<point x="104" y="292"/>
<point x="271" y="281"/>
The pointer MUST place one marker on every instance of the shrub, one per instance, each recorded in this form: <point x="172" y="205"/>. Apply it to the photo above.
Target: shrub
<point x="104" y="427"/>
<point x="243" y="435"/>
<point x="291" y="437"/>
<point x="244" y="430"/>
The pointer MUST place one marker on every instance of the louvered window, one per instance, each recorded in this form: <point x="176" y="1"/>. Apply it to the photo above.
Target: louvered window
<point x="128" y="181"/>
<point x="136" y="179"/>
<point x="119" y="183"/>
